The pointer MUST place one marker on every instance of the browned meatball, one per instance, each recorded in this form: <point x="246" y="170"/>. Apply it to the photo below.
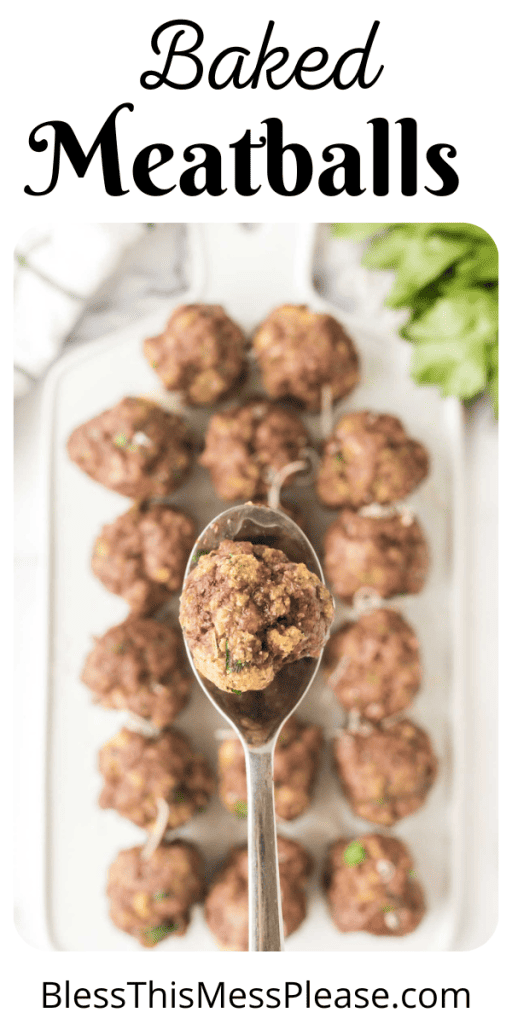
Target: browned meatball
<point x="139" y="666"/>
<point x="151" y="899"/>
<point x="136" y="448"/>
<point x="371" y="886"/>
<point x="227" y="904"/>
<point x="137" y="771"/>
<point x="369" y="458"/>
<point x="200" y="353"/>
<point x="295" y="769"/>
<point x="374" y="664"/>
<point x="386" y="771"/>
<point x="246" y="611"/>
<point x="387" y="554"/>
<point x="300" y="352"/>
<point x="247" y="444"/>
<point x="142" y="555"/>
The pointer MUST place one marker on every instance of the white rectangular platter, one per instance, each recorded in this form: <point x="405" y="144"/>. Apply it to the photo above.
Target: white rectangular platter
<point x="249" y="273"/>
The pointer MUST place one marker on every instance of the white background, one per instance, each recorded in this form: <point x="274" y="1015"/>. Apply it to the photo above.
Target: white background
<point x="446" y="64"/>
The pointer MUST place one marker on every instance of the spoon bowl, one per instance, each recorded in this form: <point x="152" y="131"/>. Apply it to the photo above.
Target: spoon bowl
<point x="258" y="715"/>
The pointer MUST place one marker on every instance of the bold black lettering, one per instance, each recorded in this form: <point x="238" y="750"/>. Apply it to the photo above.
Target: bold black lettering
<point x="352" y="167"/>
<point x="135" y="985"/>
<point x="301" y="67"/>
<point x="322" y="993"/>
<point x="410" y="1006"/>
<point x="66" y="139"/>
<point x="243" y="167"/>
<point x="211" y="1003"/>
<point x="432" y="1003"/>
<point x="252" y="995"/>
<point x="189" y="1001"/>
<point x="360" y="73"/>
<point x="288" y="994"/>
<point x="142" y="169"/>
<point x="121" y="1001"/>
<point x="275" y="153"/>
<point x="154" y="79"/>
<point x="237" y="993"/>
<point x="51" y="995"/>
<point x="78" y="996"/>
<point x="234" y="76"/>
<point x="409" y="155"/>
<point x="342" y="1002"/>
<point x="212" y="166"/>
<point x="153" y="989"/>
<point x="276" y="999"/>
<point x="263" y="57"/>
<point x="380" y="155"/>
<point x="104" y="1000"/>
<point x="380" y="994"/>
<point x="455" y="991"/>
<point x="450" y="180"/>
<point x="363" y="1000"/>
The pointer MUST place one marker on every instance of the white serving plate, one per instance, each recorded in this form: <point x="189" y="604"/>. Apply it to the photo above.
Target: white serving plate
<point x="248" y="272"/>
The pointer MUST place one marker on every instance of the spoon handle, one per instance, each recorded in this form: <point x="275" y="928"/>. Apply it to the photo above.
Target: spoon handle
<point x="265" y="918"/>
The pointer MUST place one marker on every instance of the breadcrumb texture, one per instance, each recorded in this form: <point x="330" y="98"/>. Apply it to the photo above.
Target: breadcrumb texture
<point x="299" y="352"/>
<point x="373" y="664"/>
<point x="142" y="555"/>
<point x="387" y="554"/>
<point x="139" y="666"/>
<point x="201" y="353"/>
<point x="369" y="458"/>
<point x="138" y="770"/>
<point x="246" y="611"/>
<point x="135" y="448"/>
<point x="386" y="771"/>
<point x="247" y="444"/>
<point x="371" y="886"/>
<point x="151" y="899"/>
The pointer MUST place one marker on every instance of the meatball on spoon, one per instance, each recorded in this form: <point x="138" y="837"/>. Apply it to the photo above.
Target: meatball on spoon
<point x="257" y="715"/>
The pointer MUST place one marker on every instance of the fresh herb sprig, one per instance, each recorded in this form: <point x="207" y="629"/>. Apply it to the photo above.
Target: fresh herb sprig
<point x="447" y="275"/>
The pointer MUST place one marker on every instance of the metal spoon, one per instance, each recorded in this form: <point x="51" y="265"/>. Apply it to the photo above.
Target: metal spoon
<point x="258" y="715"/>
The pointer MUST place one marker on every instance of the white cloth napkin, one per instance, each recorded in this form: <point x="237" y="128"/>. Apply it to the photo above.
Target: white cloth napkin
<point x="75" y="282"/>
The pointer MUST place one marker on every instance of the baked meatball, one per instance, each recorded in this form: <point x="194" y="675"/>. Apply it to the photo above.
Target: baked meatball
<point x="136" y="448"/>
<point x="387" y="554"/>
<point x="371" y="886"/>
<point x="295" y="769"/>
<point x="138" y="771"/>
<point x="386" y="771"/>
<point x="373" y="664"/>
<point x="227" y="903"/>
<point x="151" y="899"/>
<point x="142" y="555"/>
<point x="369" y="458"/>
<point x="247" y="444"/>
<point x="200" y="353"/>
<point x="139" y="666"/>
<point x="246" y="611"/>
<point x="300" y="352"/>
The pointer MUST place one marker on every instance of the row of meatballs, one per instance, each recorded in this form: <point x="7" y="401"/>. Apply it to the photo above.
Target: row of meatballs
<point x="142" y="554"/>
<point x="142" y="451"/>
<point x="370" y="885"/>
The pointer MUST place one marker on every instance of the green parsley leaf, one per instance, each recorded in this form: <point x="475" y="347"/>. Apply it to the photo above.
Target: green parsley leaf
<point x="355" y="853"/>
<point x="199" y="554"/>
<point x="160" y="932"/>
<point x="240" y="808"/>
